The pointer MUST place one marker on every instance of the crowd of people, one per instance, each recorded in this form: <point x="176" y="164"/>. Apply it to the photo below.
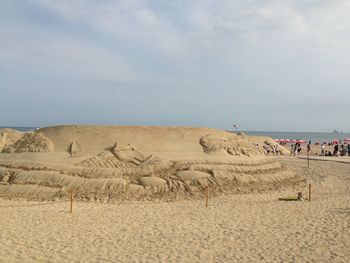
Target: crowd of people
<point x="270" y="149"/>
<point x="296" y="148"/>
<point x="341" y="150"/>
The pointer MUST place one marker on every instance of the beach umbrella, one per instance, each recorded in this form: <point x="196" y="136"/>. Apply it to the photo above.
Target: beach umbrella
<point x="301" y="141"/>
<point x="347" y="140"/>
<point x="325" y="142"/>
<point x="287" y="140"/>
<point x="317" y="142"/>
<point x="277" y="140"/>
<point x="335" y="141"/>
<point x="294" y="141"/>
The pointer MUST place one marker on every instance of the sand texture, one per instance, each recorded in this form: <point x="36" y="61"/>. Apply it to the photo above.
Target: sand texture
<point x="134" y="163"/>
<point x="251" y="227"/>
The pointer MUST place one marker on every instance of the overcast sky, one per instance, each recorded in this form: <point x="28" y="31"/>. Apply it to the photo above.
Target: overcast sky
<point x="262" y="64"/>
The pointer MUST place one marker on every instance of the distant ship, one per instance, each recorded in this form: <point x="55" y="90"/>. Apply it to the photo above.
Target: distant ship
<point x="336" y="131"/>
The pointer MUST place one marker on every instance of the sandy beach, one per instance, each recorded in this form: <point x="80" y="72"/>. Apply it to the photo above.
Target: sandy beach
<point x="234" y="228"/>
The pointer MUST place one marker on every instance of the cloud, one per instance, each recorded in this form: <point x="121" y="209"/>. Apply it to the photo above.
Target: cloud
<point x="203" y="61"/>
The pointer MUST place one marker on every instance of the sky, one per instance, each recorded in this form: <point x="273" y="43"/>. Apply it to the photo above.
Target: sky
<point x="271" y="65"/>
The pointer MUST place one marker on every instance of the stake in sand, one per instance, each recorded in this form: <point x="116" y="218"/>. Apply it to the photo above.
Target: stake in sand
<point x="206" y="196"/>
<point x="309" y="192"/>
<point x="71" y="202"/>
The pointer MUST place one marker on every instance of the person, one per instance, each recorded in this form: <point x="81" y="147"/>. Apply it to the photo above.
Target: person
<point x="336" y="149"/>
<point x="349" y="149"/>
<point x="266" y="148"/>
<point x="291" y="150"/>
<point x="296" y="149"/>
<point x="308" y="148"/>
<point x="323" y="150"/>
<point x="299" y="149"/>
<point x="342" y="151"/>
<point x="273" y="148"/>
<point x="277" y="149"/>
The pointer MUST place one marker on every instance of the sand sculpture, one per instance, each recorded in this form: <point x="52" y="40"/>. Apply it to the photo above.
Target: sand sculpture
<point x="75" y="149"/>
<point x="162" y="163"/>
<point x="30" y="142"/>
<point x="129" y="154"/>
<point x="8" y="137"/>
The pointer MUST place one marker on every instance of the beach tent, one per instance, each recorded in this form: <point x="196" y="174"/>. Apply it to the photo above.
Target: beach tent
<point x="335" y="141"/>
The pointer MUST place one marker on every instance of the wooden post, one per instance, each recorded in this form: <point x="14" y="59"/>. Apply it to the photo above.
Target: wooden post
<point x="71" y="202"/>
<point x="309" y="192"/>
<point x="206" y="196"/>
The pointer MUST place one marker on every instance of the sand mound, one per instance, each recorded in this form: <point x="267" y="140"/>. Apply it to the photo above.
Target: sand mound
<point x="120" y="162"/>
<point x="30" y="142"/>
<point x="227" y="144"/>
<point x="151" y="181"/>
<point x="8" y="137"/>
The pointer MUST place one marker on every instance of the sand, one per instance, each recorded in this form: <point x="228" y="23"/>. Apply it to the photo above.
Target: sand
<point x="234" y="228"/>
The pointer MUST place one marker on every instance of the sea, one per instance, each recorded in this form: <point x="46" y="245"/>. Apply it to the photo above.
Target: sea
<point x="307" y="136"/>
<point x="22" y="129"/>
